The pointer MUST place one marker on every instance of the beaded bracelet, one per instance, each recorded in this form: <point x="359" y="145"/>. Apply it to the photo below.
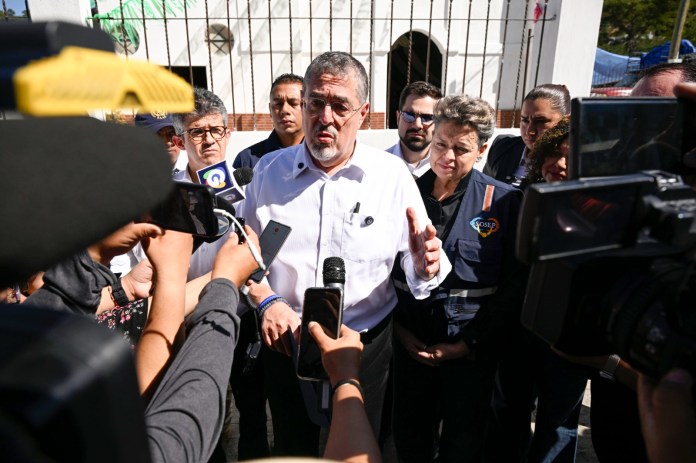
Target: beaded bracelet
<point x="352" y="382"/>
<point x="269" y="301"/>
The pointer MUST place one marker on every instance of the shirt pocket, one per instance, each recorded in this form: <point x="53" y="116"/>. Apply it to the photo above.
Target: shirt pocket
<point x="478" y="262"/>
<point x="364" y="239"/>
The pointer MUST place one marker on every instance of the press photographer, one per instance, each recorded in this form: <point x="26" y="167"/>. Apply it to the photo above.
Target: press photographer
<point x="612" y="268"/>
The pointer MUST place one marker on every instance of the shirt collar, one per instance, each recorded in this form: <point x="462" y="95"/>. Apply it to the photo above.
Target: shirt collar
<point x="303" y="161"/>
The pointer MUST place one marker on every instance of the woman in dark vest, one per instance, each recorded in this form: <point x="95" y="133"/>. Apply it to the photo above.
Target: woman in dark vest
<point x="446" y="346"/>
<point x="542" y="108"/>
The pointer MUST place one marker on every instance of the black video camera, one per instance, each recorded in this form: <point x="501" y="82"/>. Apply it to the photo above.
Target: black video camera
<point x="613" y="268"/>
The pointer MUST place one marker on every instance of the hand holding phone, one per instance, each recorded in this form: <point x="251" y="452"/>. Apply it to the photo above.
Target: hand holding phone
<point x="324" y="306"/>
<point x="188" y="209"/>
<point x="271" y="240"/>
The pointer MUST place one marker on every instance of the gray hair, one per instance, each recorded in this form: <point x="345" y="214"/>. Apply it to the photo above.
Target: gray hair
<point x="467" y="110"/>
<point x="340" y="64"/>
<point x="206" y="103"/>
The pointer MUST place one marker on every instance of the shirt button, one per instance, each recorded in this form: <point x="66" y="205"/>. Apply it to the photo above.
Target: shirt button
<point x="300" y="165"/>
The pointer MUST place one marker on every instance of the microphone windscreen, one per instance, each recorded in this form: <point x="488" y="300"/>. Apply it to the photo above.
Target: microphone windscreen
<point x="243" y="175"/>
<point x="334" y="270"/>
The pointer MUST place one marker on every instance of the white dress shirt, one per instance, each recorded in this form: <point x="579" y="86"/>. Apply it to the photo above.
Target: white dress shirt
<point x="321" y="210"/>
<point x="417" y="169"/>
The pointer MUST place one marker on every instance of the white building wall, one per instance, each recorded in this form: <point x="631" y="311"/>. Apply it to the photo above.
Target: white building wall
<point x="567" y="54"/>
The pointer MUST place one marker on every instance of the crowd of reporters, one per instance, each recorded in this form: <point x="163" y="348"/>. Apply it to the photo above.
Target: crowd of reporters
<point x="466" y="375"/>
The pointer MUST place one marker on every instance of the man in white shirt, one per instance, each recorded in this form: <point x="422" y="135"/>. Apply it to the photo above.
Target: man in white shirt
<point x="343" y="199"/>
<point x="415" y="125"/>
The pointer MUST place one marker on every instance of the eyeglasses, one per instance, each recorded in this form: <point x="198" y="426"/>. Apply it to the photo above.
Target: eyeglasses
<point x="197" y="134"/>
<point x="410" y="117"/>
<point x="315" y="106"/>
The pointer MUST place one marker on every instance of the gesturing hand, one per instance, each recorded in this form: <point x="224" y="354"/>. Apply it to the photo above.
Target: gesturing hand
<point x="424" y="247"/>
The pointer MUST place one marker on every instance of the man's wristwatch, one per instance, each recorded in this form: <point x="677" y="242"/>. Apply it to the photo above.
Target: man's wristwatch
<point x="609" y="369"/>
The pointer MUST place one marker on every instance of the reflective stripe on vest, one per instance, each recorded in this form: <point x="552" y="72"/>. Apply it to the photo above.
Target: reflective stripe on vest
<point x="475" y="292"/>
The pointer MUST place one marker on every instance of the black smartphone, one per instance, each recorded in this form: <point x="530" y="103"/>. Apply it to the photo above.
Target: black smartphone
<point x="270" y="241"/>
<point x="625" y="135"/>
<point x="324" y="306"/>
<point x="189" y="209"/>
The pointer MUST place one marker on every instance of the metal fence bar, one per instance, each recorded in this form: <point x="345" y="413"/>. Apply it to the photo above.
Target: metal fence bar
<point x="410" y="45"/>
<point x="142" y="9"/>
<point x="311" y="51"/>
<point x="330" y="25"/>
<point x="234" y="109"/>
<point x="292" y="61"/>
<point x="427" y="55"/>
<point x="188" y="44"/>
<point x="519" y="62"/>
<point x="207" y="41"/>
<point x="270" y="40"/>
<point x="485" y="45"/>
<point x="449" y="29"/>
<point x="502" y="56"/>
<point x="251" y="63"/>
<point x="350" y="33"/>
<point x="466" y="47"/>
<point x="166" y="32"/>
<point x="541" y="43"/>
<point x="389" y="60"/>
<point x="123" y="30"/>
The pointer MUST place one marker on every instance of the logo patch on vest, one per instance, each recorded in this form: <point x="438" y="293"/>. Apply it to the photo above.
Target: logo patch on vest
<point x="485" y="225"/>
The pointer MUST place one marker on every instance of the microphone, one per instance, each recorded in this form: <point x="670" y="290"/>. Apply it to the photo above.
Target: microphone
<point x="225" y="185"/>
<point x="334" y="273"/>
<point x="243" y="175"/>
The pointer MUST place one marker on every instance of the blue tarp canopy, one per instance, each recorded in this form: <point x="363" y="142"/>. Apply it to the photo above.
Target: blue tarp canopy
<point x="610" y="68"/>
<point x="660" y="52"/>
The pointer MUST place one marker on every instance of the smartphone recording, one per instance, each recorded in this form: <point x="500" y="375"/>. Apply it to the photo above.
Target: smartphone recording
<point x="189" y="209"/>
<point x="324" y="306"/>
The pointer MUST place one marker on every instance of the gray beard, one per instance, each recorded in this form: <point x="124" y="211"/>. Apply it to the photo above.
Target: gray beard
<point x="323" y="153"/>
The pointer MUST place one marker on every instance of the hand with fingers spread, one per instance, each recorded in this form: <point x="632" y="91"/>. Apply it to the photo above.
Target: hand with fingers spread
<point x="424" y="247"/>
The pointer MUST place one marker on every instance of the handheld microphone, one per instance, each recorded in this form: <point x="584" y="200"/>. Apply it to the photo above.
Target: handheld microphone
<point x="334" y="273"/>
<point x="225" y="185"/>
<point x="240" y="177"/>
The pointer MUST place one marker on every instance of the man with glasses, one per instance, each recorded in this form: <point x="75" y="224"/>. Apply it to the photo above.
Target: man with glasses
<point x="203" y="134"/>
<point x="415" y="125"/>
<point x="345" y="199"/>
